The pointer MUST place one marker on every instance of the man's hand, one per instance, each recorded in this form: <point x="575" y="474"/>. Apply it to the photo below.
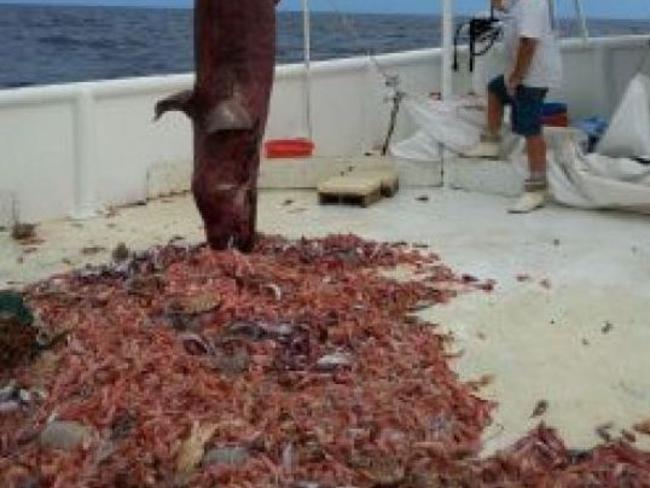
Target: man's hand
<point x="525" y="54"/>
<point x="512" y="83"/>
<point x="500" y="5"/>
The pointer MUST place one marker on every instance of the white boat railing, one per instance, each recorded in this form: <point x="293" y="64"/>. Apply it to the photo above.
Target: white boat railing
<point x="70" y="150"/>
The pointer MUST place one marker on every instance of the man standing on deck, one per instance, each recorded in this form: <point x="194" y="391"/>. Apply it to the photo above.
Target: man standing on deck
<point x="533" y="67"/>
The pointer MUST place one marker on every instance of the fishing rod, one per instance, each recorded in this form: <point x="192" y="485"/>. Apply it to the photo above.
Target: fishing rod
<point x="481" y="32"/>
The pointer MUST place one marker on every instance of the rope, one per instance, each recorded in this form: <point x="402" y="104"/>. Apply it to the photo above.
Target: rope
<point x="390" y="80"/>
<point x="397" y="102"/>
<point x="353" y="33"/>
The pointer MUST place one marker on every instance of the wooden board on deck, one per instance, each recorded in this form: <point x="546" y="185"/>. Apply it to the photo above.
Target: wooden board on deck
<point x="389" y="180"/>
<point x="350" y="190"/>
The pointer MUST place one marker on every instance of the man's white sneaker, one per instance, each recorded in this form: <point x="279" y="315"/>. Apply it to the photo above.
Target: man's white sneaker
<point x="487" y="149"/>
<point x="529" y="201"/>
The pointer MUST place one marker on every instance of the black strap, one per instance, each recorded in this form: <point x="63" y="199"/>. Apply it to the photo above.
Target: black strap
<point x="643" y="161"/>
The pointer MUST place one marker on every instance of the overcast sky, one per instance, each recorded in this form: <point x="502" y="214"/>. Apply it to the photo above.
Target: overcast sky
<point x="635" y="9"/>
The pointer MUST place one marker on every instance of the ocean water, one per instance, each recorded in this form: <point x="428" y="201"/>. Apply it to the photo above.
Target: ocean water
<point x="42" y="45"/>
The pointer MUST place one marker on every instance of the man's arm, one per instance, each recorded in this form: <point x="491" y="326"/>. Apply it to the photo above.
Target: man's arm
<point x="525" y="55"/>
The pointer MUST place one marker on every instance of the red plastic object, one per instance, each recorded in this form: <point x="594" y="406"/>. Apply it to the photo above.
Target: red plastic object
<point x="289" y="148"/>
<point x="558" y="120"/>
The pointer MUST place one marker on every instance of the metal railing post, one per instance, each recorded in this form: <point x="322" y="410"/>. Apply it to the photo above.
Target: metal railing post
<point x="447" y="87"/>
<point x="85" y="203"/>
<point x="580" y="13"/>
<point x="307" y="56"/>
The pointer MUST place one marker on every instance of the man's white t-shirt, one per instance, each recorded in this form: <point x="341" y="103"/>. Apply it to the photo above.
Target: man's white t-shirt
<point x="533" y="19"/>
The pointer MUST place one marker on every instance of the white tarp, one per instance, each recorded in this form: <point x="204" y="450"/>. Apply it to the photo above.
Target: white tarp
<point x="455" y="124"/>
<point x="611" y="178"/>
<point x="597" y="181"/>
<point x="629" y="131"/>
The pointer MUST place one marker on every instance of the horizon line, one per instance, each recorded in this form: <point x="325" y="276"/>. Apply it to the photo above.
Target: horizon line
<point x="37" y="3"/>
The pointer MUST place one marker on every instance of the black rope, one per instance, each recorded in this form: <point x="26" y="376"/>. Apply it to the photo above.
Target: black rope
<point x="397" y="103"/>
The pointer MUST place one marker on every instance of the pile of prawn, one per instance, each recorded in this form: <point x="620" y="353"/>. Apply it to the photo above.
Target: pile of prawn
<point x="306" y="356"/>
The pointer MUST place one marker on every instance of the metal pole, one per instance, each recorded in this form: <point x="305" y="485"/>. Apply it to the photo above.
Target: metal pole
<point x="580" y="13"/>
<point x="447" y="49"/>
<point x="307" y="80"/>
<point x="553" y="14"/>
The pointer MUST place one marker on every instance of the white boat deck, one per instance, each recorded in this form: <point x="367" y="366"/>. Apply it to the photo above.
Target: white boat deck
<point x="542" y="339"/>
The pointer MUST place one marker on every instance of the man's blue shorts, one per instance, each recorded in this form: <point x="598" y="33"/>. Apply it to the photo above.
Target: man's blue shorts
<point x="527" y="106"/>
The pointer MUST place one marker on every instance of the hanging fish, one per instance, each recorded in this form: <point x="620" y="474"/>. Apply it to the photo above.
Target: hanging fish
<point x="235" y="60"/>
